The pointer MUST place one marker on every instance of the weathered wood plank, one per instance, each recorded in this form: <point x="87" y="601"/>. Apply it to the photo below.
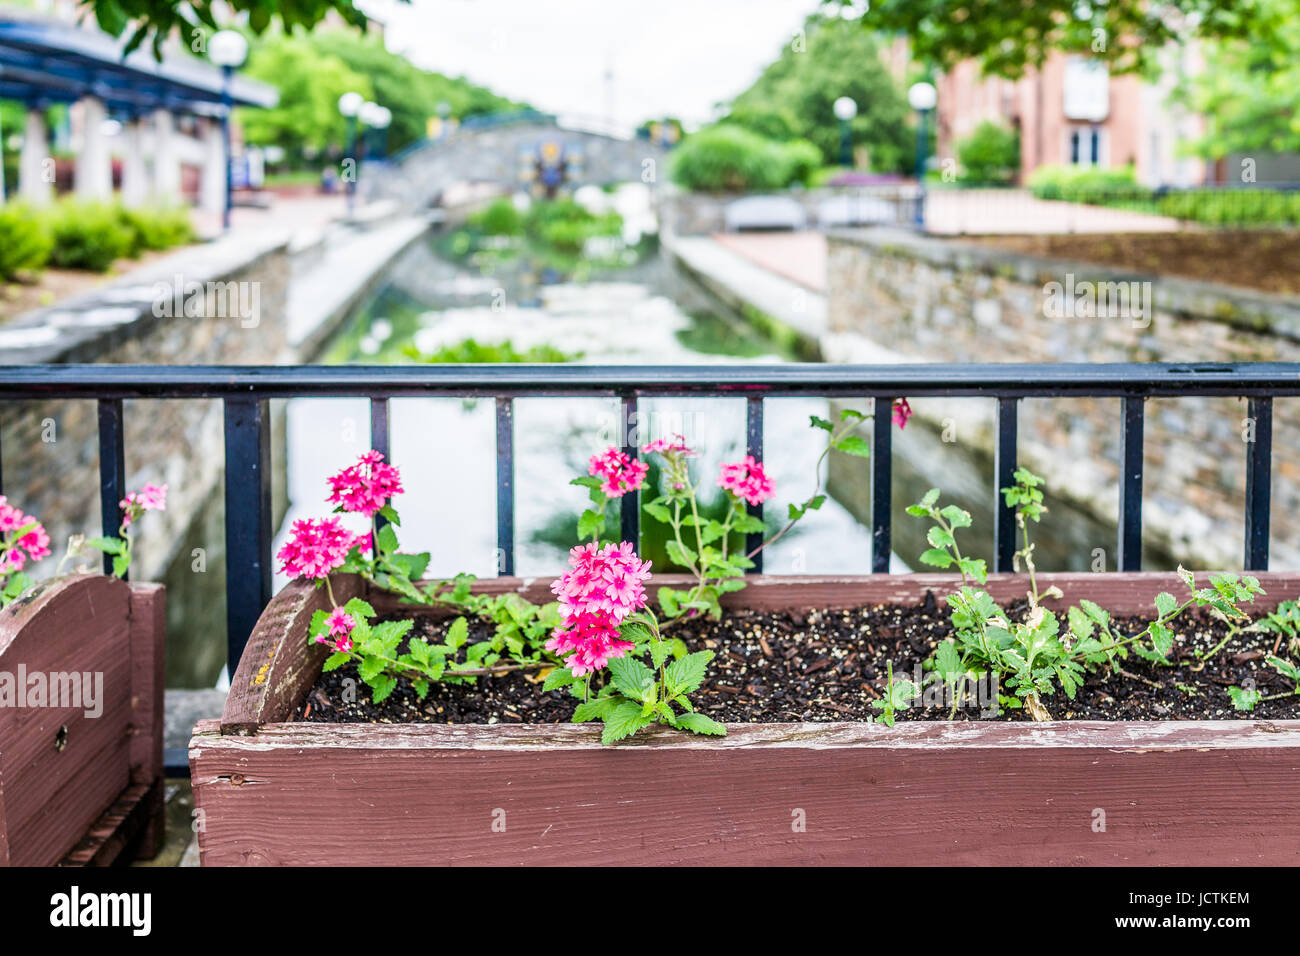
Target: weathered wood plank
<point x="61" y="768"/>
<point x="148" y="637"/>
<point x="917" y="794"/>
<point x="123" y="828"/>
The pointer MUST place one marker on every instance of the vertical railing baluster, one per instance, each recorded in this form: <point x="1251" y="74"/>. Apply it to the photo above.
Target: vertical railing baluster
<point x="1259" y="480"/>
<point x="754" y="446"/>
<point x="1004" y="471"/>
<point x="505" y="486"/>
<point x="1130" y="484"/>
<point x="380" y="438"/>
<point x="248" y="519"/>
<point x="882" y="477"/>
<point x="112" y="471"/>
<point x="630" y="507"/>
<point x="2" y="472"/>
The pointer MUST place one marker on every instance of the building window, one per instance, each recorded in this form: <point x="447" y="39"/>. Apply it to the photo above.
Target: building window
<point x="1085" y="146"/>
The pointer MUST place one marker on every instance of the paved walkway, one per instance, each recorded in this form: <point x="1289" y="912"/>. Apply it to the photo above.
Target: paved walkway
<point x="1014" y="211"/>
<point x="800" y="256"/>
<point x="740" y="279"/>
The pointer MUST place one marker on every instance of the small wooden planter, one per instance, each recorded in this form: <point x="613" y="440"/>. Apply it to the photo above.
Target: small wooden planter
<point x="79" y="789"/>
<point x="1178" y="792"/>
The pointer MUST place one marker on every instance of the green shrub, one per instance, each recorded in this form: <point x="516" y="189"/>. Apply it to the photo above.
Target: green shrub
<point x="567" y="225"/>
<point x="990" y="156"/>
<point x="25" y="240"/>
<point x="474" y="352"/>
<point x="501" y="218"/>
<point x="727" y="158"/>
<point x="1232" y="207"/>
<point x="159" y="227"/>
<point x="88" y="235"/>
<point x="803" y="162"/>
<point x="1087" y="184"/>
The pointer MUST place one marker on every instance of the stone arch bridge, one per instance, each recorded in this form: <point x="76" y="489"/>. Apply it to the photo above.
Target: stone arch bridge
<point x="499" y="149"/>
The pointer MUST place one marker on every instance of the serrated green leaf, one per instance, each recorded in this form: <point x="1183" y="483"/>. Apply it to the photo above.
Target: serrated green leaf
<point x="687" y="674"/>
<point x="699" y="724"/>
<point x="336" y="660"/>
<point x="623" y="721"/>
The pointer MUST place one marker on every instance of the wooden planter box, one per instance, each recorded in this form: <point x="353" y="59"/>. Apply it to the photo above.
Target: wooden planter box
<point x="1177" y="792"/>
<point x="76" y="788"/>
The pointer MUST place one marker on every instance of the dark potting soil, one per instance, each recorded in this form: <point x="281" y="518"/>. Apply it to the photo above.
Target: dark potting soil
<point x="783" y="667"/>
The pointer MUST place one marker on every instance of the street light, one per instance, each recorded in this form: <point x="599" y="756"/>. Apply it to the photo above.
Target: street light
<point x="350" y="104"/>
<point x="228" y="50"/>
<point x="382" y="118"/>
<point x="845" y="109"/>
<point x="921" y="97"/>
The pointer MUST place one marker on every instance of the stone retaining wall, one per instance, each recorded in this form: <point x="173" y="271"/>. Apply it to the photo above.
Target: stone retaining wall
<point x="902" y="297"/>
<point x="51" y="448"/>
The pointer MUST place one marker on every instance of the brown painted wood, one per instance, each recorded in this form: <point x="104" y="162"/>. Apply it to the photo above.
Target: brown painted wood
<point x="1176" y="792"/>
<point x="917" y="794"/>
<point x="274" y="672"/>
<point x="51" y="795"/>
<point x="123" y="830"/>
<point x="148" y="636"/>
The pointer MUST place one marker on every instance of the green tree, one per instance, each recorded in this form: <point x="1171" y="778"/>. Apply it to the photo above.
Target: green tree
<point x="1249" y="92"/>
<point x="794" y="96"/>
<point x="990" y="156"/>
<point x="153" y="21"/>
<point x="1008" y="36"/>
<point x="307" y="118"/>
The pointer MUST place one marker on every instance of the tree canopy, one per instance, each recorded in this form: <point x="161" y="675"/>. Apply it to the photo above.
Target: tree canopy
<point x="793" y="97"/>
<point x="1009" y="36"/>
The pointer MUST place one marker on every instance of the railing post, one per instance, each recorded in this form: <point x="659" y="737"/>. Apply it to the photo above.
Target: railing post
<point x="505" y="486"/>
<point x="112" y="471"/>
<point x="630" y="508"/>
<point x="882" y="477"/>
<point x="1130" y="484"/>
<point x="248" y="519"/>
<point x="1259" y="478"/>
<point x="380" y="438"/>
<point x="754" y="446"/>
<point x="1004" y="476"/>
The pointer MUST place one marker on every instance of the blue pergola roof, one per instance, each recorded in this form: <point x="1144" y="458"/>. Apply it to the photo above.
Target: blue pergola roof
<point x="44" y="61"/>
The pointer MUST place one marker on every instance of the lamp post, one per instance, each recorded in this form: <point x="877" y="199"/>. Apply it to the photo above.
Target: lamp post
<point x="227" y="49"/>
<point x="845" y="109"/>
<point x="381" y="120"/>
<point x="350" y="104"/>
<point x="921" y="97"/>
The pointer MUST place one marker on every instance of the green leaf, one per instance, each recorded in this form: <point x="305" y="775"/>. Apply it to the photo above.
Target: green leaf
<point x="381" y="687"/>
<point x="1166" y="603"/>
<point x="680" y="554"/>
<point x="687" y="674"/>
<point x="1243" y="699"/>
<point x="336" y="660"/>
<point x="386" y="539"/>
<point x="560" y="677"/>
<point x="853" y="413"/>
<point x="699" y="724"/>
<point x="632" y="678"/>
<point x="598" y="708"/>
<point x="389" y="514"/>
<point x="955" y="516"/>
<point x="120" y="565"/>
<point x="590" y="524"/>
<point x="937" y="558"/>
<point x="854" y="445"/>
<point x="421" y="687"/>
<point x="821" y="423"/>
<point x="947" y="662"/>
<point x="110" y="545"/>
<point x="659" y="513"/>
<point x="457" y="634"/>
<point x="668" y="602"/>
<point x="623" y="721"/>
<point x="939" y="537"/>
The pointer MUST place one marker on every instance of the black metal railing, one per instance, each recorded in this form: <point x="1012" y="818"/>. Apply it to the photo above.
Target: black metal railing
<point x="246" y="391"/>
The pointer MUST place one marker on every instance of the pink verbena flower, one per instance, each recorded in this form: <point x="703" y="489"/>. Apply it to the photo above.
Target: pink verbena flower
<point x="367" y="486"/>
<point x="668" y="446"/>
<point x="148" y="498"/>
<point x="747" y="480"/>
<point x="620" y="472"/>
<point x="902" y="411"/>
<point x="315" y="547"/>
<point x="35" y="542"/>
<point x="599" y="591"/>
<point x="339" y="630"/>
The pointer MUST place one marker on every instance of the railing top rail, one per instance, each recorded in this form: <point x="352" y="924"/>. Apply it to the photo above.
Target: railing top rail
<point x="1007" y="380"/>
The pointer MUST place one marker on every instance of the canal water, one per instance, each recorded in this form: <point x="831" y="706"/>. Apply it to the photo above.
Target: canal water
<point x="621" y="303"/>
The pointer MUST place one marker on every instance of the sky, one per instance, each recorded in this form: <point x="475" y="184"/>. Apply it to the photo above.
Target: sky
<point x="667" y="57"/>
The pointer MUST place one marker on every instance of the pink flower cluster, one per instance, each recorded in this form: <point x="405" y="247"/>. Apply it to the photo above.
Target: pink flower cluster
<point x="148" y="498"/>
<point x="902" y="412"/>
<point x="747" y="480"/>
<point x="668" y="446"/>
<point x="620" y="472"/>
<point x="317" y="546"/>
<point x="364" y="488"/>
<point x="339" y="632"/>
<point x="596" y="595"/>
<point x="33" y="545"/>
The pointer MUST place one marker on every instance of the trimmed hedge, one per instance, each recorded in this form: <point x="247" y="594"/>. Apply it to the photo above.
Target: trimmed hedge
<point x="729" y="158"/>
<point x="25" y="240"/>
<point x="88" y="235"/>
